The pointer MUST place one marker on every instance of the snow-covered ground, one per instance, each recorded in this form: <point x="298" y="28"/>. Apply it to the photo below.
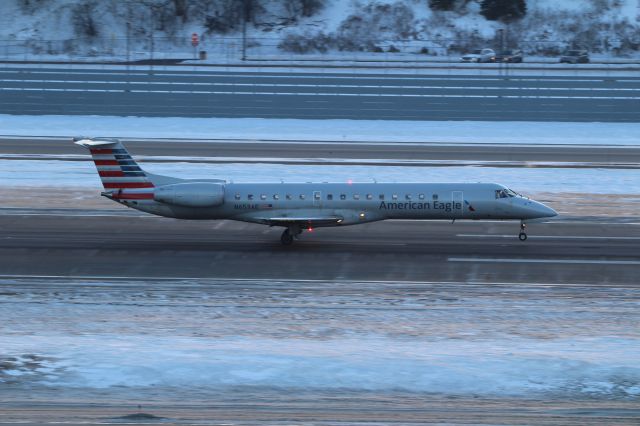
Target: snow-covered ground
<point x="369" y="131"/>
<point x="223" y="336"/>
<point x="597" y="367"/>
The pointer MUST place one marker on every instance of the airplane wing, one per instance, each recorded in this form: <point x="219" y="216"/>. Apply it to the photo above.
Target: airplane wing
<point x="304" y="221"/>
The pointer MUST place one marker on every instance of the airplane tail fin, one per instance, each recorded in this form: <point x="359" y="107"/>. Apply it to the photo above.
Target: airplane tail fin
<point x="117" y="169"/>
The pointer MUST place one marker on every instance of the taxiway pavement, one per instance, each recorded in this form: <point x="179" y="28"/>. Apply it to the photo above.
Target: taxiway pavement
<point x="259" y="150"/>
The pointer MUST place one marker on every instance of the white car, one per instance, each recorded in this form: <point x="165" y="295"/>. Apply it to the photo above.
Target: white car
<point x="480" y="55"/>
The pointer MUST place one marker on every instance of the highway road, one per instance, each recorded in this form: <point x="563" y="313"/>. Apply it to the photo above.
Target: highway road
<point x="179" y="93"/>
<point x="621" y="156"/>
<point x="96" y="244"/>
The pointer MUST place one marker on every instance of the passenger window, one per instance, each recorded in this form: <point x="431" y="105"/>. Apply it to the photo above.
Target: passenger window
<point x="408" y="196"/>
<point x="434" y="196"/>
<point x="250" y="197"/>
<point x="329" y="197"/>
<point x="421" y="196"/>
<point x="237" y="196"/>
<point x="276" y="197"/>
<point x="302" y="196"/>
<point x="263" y="197"/>
<point x="316" y="196"/>
<point x="369" y="197"/>
<point x="343" y="196"/>
<point x="356" y="196"/>
<point x="394" y="196"/>
<point x="288" y="196"/>
<point x="381" y="196"/>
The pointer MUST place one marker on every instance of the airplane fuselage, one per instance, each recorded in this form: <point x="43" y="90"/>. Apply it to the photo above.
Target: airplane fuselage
<point x="356" y="203"/>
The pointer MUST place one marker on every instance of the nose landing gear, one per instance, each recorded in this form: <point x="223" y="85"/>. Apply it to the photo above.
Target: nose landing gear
<point x="522" y="236"/>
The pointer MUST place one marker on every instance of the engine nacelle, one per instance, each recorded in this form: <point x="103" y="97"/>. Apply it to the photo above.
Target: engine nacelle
<point x="194" y="194"/>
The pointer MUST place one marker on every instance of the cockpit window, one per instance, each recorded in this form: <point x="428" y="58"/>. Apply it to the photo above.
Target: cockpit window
<point x="505" y="193"/>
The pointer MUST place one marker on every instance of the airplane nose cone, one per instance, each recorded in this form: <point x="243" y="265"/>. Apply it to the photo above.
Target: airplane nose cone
<point x="543" y="211"/>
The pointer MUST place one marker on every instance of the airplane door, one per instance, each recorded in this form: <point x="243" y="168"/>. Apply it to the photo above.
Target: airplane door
<point x="458" y="203"/>
<point x="317" y="199"/>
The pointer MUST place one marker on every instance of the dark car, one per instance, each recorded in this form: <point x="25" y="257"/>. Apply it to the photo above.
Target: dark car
<point x="509" y="56"/>
<point x="575" y="57"/>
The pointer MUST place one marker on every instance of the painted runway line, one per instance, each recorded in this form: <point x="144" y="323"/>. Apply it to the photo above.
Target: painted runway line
<point x="375" y="95"/>
<point x="549" y="261"/>
<point x="549" y="237"/>
<point x="339" y="86"/>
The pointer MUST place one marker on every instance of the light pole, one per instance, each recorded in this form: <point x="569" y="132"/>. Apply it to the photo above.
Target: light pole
<point x="128" y="35"/>
<point x="245" y="10"/>
<point x="151" y="42"/>
<point x="501" y="51"/>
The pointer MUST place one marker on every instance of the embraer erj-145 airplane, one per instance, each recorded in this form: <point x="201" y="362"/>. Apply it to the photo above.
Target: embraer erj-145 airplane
<point x="299" y="206"/>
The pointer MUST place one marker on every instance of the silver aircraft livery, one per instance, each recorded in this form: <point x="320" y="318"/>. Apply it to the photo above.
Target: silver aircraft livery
<point x="300" y="206"/>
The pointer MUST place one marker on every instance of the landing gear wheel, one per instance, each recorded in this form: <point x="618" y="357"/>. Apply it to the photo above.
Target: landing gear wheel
<point x="522" y="236"/>
<point x="286" y="239"/>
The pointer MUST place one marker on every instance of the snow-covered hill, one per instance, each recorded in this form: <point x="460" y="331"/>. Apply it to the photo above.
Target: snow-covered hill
<point x="287" y="27"/>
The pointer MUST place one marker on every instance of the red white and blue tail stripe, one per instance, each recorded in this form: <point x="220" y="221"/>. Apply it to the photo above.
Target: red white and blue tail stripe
<point x="121" y="176"/>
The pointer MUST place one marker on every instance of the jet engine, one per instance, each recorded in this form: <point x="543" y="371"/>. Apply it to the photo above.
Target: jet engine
<point x="192" y="194"/>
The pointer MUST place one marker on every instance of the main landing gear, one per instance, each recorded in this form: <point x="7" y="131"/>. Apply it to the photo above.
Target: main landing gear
<point x="522" y="236"/>
<point x="287" y="236"/>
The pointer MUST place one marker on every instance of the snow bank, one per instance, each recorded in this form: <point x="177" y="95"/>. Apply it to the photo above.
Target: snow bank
<point x="60" y="174"/>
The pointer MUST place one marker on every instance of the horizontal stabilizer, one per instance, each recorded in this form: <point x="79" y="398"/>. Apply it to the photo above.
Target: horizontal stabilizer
<point x="94" y="142"/>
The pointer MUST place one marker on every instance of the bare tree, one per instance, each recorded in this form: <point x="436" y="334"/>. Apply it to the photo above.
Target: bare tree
<point x="182" y="8"/>
<point x="82" y="18"/>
